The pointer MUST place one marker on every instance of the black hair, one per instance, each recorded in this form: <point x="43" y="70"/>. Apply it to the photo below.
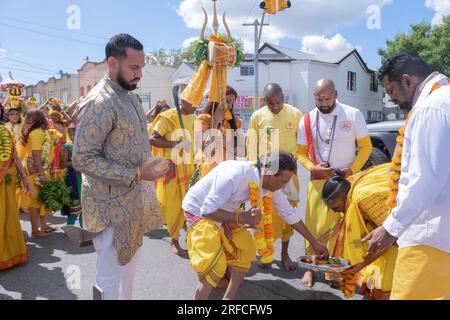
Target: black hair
<point x="117" y="46"/>
<point x="281" y="160"/>
<point x="404" y="63"/>
<point x="335" y="186"/>
<point x="20" y="118"/>
<point x="272" y="88"/>
<point x="2" y="113"/>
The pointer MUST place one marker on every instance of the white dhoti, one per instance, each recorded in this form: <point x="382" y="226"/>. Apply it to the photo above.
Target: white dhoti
<point x="116" y="281"/>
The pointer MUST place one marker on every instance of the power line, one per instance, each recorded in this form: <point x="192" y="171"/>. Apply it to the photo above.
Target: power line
<point x="249" y="13"/>
<point x="53" y="27"/>
<point x="26" y="70"/>
<point x="50" y="35"/>
<point x="28" y="64"/>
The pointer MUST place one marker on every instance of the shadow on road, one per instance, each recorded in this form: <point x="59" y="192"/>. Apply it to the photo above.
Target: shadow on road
<point x="274" y="290"/>
<point x="41" y="282"/>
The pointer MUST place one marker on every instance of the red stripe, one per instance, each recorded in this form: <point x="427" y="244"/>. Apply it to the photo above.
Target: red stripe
<point x="309" y="138"/>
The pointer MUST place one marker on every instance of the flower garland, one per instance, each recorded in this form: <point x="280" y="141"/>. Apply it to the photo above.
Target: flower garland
<point x="265" y="238"/>
<point x="5" y="144"/>
<point x="199" y="48"/>
<point x="46" y="150"/>
<point x="396" y="167"/>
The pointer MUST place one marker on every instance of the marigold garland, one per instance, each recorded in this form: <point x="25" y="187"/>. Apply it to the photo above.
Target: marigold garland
<point x="396" y="167"/>
<point x="5" y="144"/>
<point x="46" y="151"/>
<point x="265" y="238"/>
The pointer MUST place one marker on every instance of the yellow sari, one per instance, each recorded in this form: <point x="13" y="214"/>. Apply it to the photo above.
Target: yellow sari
<point x="367" y="210"/>
<point x="172" y="188"/>
<point x="13" y="250"/>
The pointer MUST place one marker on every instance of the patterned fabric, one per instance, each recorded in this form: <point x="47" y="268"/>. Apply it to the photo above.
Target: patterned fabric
<point x="111" y="142"/>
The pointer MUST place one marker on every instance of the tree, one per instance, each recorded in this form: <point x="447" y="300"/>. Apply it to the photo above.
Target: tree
<point x="432" y="43"/>
<point x="170" y="58"/>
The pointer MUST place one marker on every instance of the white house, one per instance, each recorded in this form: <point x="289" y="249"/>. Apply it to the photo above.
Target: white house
<point x="156" y="84"/>
<point x="297" y="73"/>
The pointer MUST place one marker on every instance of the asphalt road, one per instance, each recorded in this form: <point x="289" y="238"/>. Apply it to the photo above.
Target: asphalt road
<point x="57" y="270"/>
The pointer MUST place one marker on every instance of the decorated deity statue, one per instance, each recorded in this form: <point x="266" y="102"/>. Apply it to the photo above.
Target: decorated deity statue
<point x="213" y="55"/>
<point x="14" y="100"/>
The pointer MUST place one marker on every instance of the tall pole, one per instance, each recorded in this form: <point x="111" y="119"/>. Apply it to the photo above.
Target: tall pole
<point x="257" y="39"/>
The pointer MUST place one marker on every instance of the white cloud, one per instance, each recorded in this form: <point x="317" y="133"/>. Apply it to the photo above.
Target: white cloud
<point x="442" y="9"/>
<point x="305" y="18"/>
<point x="3" y="53"/>
<point x="188" y="41"/>
<point x="321" y="44"/>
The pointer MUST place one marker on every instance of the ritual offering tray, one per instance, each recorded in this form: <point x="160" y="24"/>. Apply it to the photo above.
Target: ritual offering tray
<point x="332" y="265"/>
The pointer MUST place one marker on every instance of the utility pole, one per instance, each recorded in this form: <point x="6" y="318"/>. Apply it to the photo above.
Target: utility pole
<point x="258" y="32"/>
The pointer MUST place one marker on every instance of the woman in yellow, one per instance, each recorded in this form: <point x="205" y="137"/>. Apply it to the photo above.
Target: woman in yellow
<point x="36" y="142"/>
<point x="363" y="200"/>
<point x="14" y="123"/>
<point x="213" y="117"/>
<point x="13" y="250"/>
<point x="172" y="188"/>
<point x="161" y="106"/>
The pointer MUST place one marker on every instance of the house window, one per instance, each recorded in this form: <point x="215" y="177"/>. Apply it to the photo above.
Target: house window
<point x="63" y="95"/>
<point x="247" y="71"/>
<point x="51" y="94"/>
<point x="373" y="83"/>
<point x="88" y="88"/>
<point x="351" y="81"/>
<point x="82" y="91"/>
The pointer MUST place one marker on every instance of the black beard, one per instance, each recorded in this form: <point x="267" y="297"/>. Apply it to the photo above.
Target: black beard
<point x="330" y="110"/>
<point x="125" y="85"/>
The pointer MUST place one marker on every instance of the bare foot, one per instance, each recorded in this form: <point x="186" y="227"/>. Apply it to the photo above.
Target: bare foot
<point x="308" y="279"/>
<point x="49" y="229"/>
<point x="288" y="264"/>
<point x="176" y="249"/>
<point x="39" y="234"/>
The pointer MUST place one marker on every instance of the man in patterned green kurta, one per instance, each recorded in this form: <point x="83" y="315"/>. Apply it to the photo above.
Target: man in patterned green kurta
<point x="112" y="152"/>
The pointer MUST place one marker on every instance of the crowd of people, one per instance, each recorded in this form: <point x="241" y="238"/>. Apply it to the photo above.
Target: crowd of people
<point x="132" y="172"/>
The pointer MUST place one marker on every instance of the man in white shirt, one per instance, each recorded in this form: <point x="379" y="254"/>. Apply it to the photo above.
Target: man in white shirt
<point x="420" y="222"/>
<point x="216" y="239"/>
<point x="327" y="141"/>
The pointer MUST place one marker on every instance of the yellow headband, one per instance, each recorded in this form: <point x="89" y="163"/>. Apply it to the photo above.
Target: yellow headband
<point x="52" y="111"/>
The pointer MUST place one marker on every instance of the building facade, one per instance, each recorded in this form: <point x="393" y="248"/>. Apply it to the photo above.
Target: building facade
<point x="64" y="88"/>
<point x="297" y="72"/>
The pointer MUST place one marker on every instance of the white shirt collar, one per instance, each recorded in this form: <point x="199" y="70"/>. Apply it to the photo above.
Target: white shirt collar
<point x="422" y="86"/>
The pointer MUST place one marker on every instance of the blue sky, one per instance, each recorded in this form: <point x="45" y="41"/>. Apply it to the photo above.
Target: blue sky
<point x="35" y="42"/>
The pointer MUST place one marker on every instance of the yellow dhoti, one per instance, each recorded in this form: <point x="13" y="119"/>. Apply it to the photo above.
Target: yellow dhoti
<point x="281" y="229"/>
<point x="421" y="273"/>
<point x="211" y="252"/>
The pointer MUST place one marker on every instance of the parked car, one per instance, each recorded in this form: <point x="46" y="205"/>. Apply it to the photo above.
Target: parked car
<point x="383" y="136"/>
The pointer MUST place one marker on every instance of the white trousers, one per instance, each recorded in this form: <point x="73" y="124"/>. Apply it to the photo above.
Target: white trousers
<point x="116" y="281"/>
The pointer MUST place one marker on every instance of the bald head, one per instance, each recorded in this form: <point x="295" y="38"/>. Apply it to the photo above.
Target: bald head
<point x="274" y="97"/>
<point x="325" y="85"/>
<point x="325" y="95"/>
<point x="272" y="89"/>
